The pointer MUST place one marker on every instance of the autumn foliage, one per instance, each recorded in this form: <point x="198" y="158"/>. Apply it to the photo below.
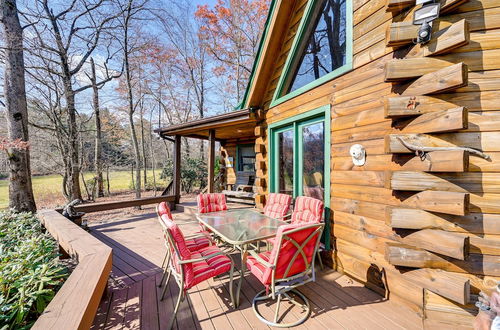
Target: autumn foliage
<point x="231" y="31"/>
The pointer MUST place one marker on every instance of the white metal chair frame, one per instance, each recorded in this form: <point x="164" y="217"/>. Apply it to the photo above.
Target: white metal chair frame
<point x="281" y="287"/>
<point x="169" y="269"/>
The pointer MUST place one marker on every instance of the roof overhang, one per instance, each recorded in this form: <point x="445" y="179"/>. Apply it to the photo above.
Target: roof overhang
<point x="231" y="125"/>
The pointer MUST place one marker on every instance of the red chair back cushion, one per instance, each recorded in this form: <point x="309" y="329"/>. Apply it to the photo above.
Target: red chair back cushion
<point x="211" y="202"/>
<point x="284" y="253"/>
<point x="162" y="209"/>
<point x="307" y="210"/>
<point x="277" y="205"/>
<point x="179" y="241"/>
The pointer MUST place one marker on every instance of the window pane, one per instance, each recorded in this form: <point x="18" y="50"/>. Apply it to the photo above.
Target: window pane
<point x="325" y="50"/>
<point x="246" y="158"/>
<point x="285" y="154"/>
<point x="313" y="158"/>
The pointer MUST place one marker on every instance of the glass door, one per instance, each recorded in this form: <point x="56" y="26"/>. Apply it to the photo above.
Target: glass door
<point x="284" y="160"/>
<point x="311" y="165"/>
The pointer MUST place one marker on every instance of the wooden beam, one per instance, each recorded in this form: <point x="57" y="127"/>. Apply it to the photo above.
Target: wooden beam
<point x="407" y="256"/>
<point x="450" y="5"/>
<point x="177" y="168"/>
<point x="472" y="140"/>
<point x="449" y="285"/>
<point x="260" y="131"/>
<point x="99" y="207"/>
<point x="260" y="148"/>
<point x="401" y="34"/>
<point x="409" y="68"/>
<point x="445" y="79"/>
<point x="439" y="201"/>
<point x="479" y="223"/>
<point x="211" y="161"/>
<point x="260" y="165"/>
<point x="448" y="39"/>
<point x="395" y="6"/>
<point x="435" y="161"/>
<point x="439" y="241"/>
<point x="436" y="122"/>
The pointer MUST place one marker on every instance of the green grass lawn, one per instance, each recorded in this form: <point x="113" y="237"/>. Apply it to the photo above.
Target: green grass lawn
<point x="48" y="188"/>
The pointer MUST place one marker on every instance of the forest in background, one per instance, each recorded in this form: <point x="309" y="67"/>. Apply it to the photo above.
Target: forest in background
<point x="101" y="75"/>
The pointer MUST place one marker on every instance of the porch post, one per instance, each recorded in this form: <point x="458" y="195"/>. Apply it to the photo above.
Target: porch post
<point x="211" y="160"/>
<point x="177" y="168"/>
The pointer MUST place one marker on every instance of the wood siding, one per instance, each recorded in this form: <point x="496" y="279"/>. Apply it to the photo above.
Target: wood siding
<point x="459" y="201"/>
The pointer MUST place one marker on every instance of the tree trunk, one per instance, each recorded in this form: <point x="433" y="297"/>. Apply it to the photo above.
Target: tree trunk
<point x="98" y="133"/>
<point x="20" y="188"/>
<point x="133" y="135"/>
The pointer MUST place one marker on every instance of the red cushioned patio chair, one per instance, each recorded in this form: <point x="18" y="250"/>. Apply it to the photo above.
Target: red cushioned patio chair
<point x="289" y="265"/>
<point x="212" y="202"/>
<point x="306" y="210"/>
<point x="277" y="205"/>
<point x="194" y="242"/>
<point x="190" y="267"/>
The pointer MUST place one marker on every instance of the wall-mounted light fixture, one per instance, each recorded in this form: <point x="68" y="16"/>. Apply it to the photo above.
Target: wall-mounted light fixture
<point x="424" y="17"/>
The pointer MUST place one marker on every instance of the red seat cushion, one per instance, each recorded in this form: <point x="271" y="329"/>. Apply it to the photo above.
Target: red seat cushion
<point x="205" y="269"/>
<point x="196" y="243"/>
<point x="307" y="210"/>
<point x="277" y="205"/>
<point x="211" y="203"/>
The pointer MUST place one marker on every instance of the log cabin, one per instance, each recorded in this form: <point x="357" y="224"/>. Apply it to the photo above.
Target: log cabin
<point x="400" y="139"/>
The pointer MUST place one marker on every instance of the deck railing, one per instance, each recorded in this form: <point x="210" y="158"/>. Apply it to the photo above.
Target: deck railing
<point x="75" y="304"/>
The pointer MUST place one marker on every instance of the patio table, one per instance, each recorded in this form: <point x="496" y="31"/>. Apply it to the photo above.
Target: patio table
<point x="240" y="228"/>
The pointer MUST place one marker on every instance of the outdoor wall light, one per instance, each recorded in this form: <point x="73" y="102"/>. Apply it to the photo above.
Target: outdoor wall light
<point x="424" y="17"/>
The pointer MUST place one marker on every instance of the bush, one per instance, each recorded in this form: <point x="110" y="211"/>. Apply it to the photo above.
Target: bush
<point x="30" y="273"/>
<point x="193" y="173"/>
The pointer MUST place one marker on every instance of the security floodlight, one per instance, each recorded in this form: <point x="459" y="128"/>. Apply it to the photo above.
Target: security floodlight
<point x="427" y="13"/>
<point x="424" y="17"/>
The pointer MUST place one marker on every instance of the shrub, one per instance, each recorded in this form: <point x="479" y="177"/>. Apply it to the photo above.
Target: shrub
<point x="30" y="273"/>
<point x="193" y="173"/>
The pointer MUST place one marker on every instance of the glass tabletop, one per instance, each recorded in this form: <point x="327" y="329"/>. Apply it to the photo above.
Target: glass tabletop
<point x="242" y="226"/>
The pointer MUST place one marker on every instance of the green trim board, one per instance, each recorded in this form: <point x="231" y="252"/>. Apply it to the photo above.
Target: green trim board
<point x="293" y="123"/>
<point x="260" y="49"/>
<point x="295" y="52"/>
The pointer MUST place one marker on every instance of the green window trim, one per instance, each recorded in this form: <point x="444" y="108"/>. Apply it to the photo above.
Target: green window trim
<point x="290" y="63"/>
<point x="311" y="116"/>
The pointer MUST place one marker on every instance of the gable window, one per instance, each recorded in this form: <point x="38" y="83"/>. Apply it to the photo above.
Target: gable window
<point x="322" y="48"/>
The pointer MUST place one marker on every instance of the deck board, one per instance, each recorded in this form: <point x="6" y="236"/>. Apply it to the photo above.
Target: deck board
<point x="133" y="300"/>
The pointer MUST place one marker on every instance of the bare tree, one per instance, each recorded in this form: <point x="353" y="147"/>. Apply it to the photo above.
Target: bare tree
<point x="20" y="188"/>
<point x="65" y="39"/>
<point x="182" y="34"/>
<point x="130" y="11"/>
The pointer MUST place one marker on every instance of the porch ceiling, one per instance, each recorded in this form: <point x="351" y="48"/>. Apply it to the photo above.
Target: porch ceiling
<point x="232" y="125"/>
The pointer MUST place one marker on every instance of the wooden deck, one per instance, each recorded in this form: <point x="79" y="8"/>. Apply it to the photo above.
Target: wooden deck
<point x="132" y="302"/>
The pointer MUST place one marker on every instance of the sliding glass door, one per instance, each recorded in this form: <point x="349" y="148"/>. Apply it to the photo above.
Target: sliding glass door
<point x="299" y="158"/>
<point x="311" y="167"/>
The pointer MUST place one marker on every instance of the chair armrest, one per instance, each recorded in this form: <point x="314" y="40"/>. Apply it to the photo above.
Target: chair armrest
<point x="259" y="259"/>
<point x="202" y="258"/>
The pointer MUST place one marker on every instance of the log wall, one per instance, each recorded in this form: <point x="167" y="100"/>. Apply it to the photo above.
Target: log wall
<point x="402" y="223"/>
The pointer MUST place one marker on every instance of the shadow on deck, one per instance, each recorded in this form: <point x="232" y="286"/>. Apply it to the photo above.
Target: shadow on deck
<point x="132" y="302"/>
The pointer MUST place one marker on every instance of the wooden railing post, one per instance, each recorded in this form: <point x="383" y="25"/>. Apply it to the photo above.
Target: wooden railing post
<point x="177" y="168"/>
<point x="211" y="161"/>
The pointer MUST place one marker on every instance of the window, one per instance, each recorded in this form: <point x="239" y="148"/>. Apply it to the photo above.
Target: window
<point x="246" y="158"/>
<point x="322" y="48"/>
